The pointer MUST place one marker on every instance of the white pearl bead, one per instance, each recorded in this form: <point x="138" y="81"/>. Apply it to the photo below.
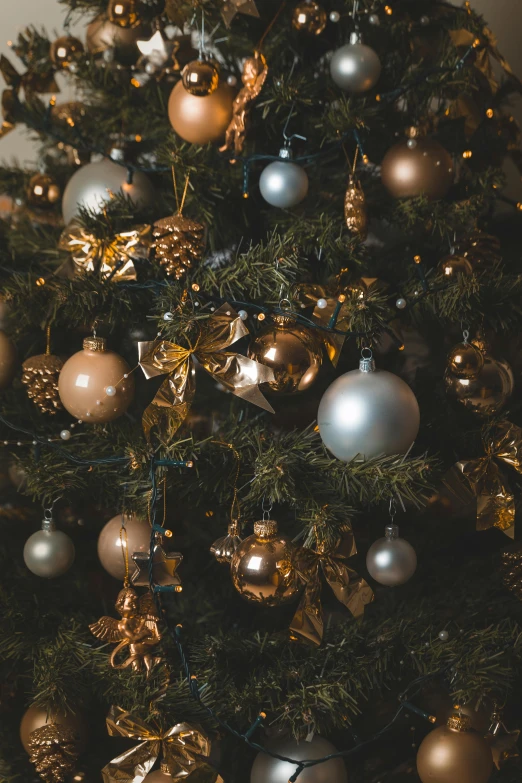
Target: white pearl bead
<point x="322" y="303"/>
<point x="411" y="144"/>
<point x="401" y="303"/>
<point x="374" y="19"/>
<point x="231" y="80"/>
<point x="443" y="636"/>
<point x="334" y="16"/>
<point x="88" y="413"/>
<point x="98" y="402"/>
<point x="125" y="374"/>
<point x="110" y="391"/>
<point x="242" y="314"/>
<point x="35" y="443"/>
<point x="65" y="434"/>
<point x="424" y="20"/>
<point x="80" y="421"/>
<point x="168" y="316"/>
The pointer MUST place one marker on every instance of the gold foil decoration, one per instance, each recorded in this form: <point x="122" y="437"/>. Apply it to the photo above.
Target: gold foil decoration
<point x="350" y="589"/>
<point x="232" y="7"/>
<point x="53" y="751"/>
<point x="183" y="749"/>
<point x="136" y="633"/>
<point x="112" y="258"/>
<point x="355" y="212"/>
<point x="495" y="502"/>
<point x="255" y="71"/>
<point x="236" y="373"/>
<point x="178" y="243"/>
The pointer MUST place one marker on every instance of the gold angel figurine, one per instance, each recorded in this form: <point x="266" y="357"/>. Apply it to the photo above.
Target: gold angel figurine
<point x="255" y="71"/>
<point x="137" y="630"/>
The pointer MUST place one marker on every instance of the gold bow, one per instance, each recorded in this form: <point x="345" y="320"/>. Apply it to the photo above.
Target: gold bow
<point x="348" y="587"/>
<point x="182" y="748"/>
<point x="111" y="257"/>
<point x="489" y="487"/>
<point x="31" y="82"/>
<point x="308" y="294"/>
<point x="236" y="373"/>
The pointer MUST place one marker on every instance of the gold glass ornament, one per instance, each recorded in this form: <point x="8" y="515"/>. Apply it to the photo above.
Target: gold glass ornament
<point x="116" y="546"/>
<point x="53" y="751"/>
<point x="452" y="266"/>
<point x="7" y="360"/>
<point x="43" y="191"/>
<point x="35" y="717"/>
<point x="225" y="547"/>
<point x="465" y="360"/>
<point x="200" y="77"/>
<point x="486" y="393"/>
<point x="200" y="120"/>
<point x="418" y="166"/>
<point x="123" y="12"/>
<point x="95" y="385"/>
<point x="309" y="17"/>
<point x="40" y="375"/>
<point x="66" y="50"/>
<point x="355" y="212"/>
<point x="454" y="753"/>
<point x="178" y="243"/>
<point x="262" y="566"/>
<point x="292" y="351"/>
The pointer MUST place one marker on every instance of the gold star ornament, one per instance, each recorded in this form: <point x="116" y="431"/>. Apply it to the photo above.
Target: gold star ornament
<point x="232" y="7"/>
<point x="164" y="567"/>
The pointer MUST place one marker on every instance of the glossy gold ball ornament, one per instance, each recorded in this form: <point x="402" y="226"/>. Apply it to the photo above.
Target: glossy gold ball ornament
<point x="262" y="566"/>
<point x="95" y="385"/>
<point x="417" y="167"/>
<point x="486" y="393"/>
<point x="292" y="351"/>
<point x="309" y="17"/>
<point x="7" y="360"/>
<point x="66" y="50"/>
<point x="43" y="191"/>
<point x="200" y="119"/>
<point x="465" y="360"/>
<point x="113" y="543"/>
<point x="453" y="266"/>
<point x="454" y="753"/>
<point x="123" y="12"/>
<point x="36" y="717"/>
<point x="200" y="77"/>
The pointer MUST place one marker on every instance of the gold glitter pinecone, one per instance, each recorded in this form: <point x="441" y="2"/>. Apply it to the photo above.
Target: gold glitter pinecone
<point x="179" y="243"/>
<point x="53" y="751"/>
<point x="40" y="375"/>
<point x="512" y="571"/>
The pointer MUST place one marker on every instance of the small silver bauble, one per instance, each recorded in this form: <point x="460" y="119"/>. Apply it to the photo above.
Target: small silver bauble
<point x="391" y="560"/>
<point x="374" y="19"/>
<point x="368" y="413"/>
<point x="283" y="183"/>
<point x="355" y="67"/>
<point x="443" y="636"/>
<point x="49" y="552"/>
<point x="92" y="185"/>
<point x="267" y="769"/>
<point x="110" y="391"/>
<point x="401" y="303"/>
<point x="334" y="16"/>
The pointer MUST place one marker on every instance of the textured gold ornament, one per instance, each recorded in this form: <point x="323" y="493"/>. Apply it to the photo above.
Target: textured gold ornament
<point x="178" y="243"/>
<point x="137" y="632"/>
<point x="255" y="71"/>
<point x="224" y="548"/>
<point x="232" y="7"/>
<point x="53" y="751"/>
<point x="355" y="212"/>
<point x="309" y="17"/>
<point x="40" y="375"/>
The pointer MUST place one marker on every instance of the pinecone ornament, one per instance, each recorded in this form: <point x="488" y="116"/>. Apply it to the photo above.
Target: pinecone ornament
<point x="178" y="243"/>
<point x="40" y="375"/>
<point x="53" y="751"/>
<point x="512" y="571"/>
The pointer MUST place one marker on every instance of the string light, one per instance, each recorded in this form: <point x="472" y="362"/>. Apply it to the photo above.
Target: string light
<point x="40" y="282"/>
<point x="467" y="154"/>
<point x="388" y="10"/>
<point x="490" y="113"/>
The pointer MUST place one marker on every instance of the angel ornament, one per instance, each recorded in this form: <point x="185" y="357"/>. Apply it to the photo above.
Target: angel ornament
<point x="254" y="75"/>
<point x="137" y="632"/>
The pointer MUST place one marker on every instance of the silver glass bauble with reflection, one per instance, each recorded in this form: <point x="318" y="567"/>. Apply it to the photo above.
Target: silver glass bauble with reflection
<point x="267" y="769"/>
<point x="391" y="560"/>
<point x="283" y="183"/>
<point x="355" y="67"/>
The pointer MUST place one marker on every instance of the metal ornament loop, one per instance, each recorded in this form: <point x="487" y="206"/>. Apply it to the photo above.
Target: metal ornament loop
<point x="368" y="355"/>
<point x="465" y="335"/>
<point x="266" y="508"/>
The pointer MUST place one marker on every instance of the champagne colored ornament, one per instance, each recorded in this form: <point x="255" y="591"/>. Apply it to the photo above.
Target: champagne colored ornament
<point x="102" y="34"/>
<point x="200" y="77"/>
<point x="93" y="185"/>
<point x="367" y="413"/>
<point x="35" y="717"/>
<point x="66" y="50"/>
<point x="255" y="71"/>
<point x="267" y="769"/>
<point x="43" y="191"/>
<point x="453" y="266"/>
<point x="123" y="13"/>
<point x="486" y="393"/>
<point x="292" y="351"/>
<point x="49" y="552"/>
<point x="262" y="566"/>
<point x="465" y="359"/>
<point x="7" y="360"/>
<point x="391" y="560"/>
<point x="95" y="385"/>
<point x="355" y="67"/>
<point x="53" y="751"/>
<point x="283" y="183"/>
<point x="200" y="120"/>
<point x="417" y="167"/>
<point x="17" y="475"/>
<point x="122" y="537"/>
<point x="309" y="17"/>
<point x="355" y="212"/>
<point x="454" y="753"/>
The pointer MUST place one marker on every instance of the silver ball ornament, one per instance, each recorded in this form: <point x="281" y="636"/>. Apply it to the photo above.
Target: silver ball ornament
<point x="92" y="185"/>
<point x="355" y="67"/>
<point x="367" y="413"/>
<point x="334" y="16"/>
<point x="391" y="560"/>
<point x="283" y="184"/>
<point x="49" y="552"/>
<point x="270" y="770"/>
<point x="443" y="636"/>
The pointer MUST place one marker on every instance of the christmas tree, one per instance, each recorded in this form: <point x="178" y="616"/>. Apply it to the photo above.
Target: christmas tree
<point x="261" y="436"/>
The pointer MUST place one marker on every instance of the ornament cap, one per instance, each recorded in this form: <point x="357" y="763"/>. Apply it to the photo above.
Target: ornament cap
<point x="164" y="767"/>
<point x="283" y="320"/>
<point x="459" y="722"/>
<point x="355" y="37"/>
<point x="95" y="344"/>
<point x="48" y="524"/>
<point x="285" y="153"/>
<point x="391" y="532"/>
<point x="265" y="528"/>
<point x="367" y="363"/>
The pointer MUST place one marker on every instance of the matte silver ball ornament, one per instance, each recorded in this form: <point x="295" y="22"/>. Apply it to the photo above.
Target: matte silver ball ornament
<point x="367" y="413"/>
<point x="92" y="187"/>
<point x="283" y="183"/>
<point x="270" y="770"/>
<point x="355" y="67"/>
<point x="391" y="560"/>
<point x="49" y="552"/>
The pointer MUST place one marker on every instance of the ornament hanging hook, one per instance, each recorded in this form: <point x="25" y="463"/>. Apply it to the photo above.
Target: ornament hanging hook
<point x="288" y="139"/>
<point x="266" y="507"/>
<point x="48" y="512"/>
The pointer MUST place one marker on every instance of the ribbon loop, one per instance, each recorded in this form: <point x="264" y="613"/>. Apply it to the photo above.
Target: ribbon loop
<point x="112" y="258"/>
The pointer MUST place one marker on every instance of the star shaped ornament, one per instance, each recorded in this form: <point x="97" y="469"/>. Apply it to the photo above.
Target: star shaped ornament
<point x="164" y="567"/>
<point x="232" y="7"/>
<point x="155" y="49"/>
<point x="503" y="747"/>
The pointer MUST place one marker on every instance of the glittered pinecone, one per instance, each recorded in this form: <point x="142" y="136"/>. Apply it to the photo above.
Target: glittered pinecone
<point x="40" y="375"/>
<point x="53" y="751"/>
<point x="178" y="244"/>
<point x="512" y="571"/>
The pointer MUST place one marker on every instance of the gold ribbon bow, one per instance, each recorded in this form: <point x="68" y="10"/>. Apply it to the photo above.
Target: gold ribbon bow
<point x="348" y="587"/>
<point x="181" y="747"/>
<point x="31" y="82"/>
<point x="489" y="487"/>
<point x="111" y="257"/>
<point x="236" y="373"/>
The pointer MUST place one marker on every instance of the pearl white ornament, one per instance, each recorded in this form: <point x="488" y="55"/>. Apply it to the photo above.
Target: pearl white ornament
<point x="231" y="80"/>
<point x="355" y="67"/>
<point x="424" y="20"/>
<point x="401" y="303"/>
<point x="391" y="560"/>
<point x="110" y="391"/>
<point x="168" y="316"/>
<point x="374" y="19"/>
<point x="411" y="144"/>
<point x="49" y="552"/>
<point x="334" y="16"/>
<point x="65" y="434"/>
<point x="267" y="769"/>
<point x="368" y="413"/>
<point x="242" y="314"/>
<point x="443" y="636"/>
<point x="283" y="184"/>
<point x="322" y="303"/>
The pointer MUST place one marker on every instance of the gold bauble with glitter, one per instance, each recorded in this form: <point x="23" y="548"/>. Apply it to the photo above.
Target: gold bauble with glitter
<point x="453" y="266"/>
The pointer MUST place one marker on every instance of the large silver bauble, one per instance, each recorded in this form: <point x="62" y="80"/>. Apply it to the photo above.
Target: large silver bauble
<point x="269" y="770"/>
<point x="283" y="184"/>
<point x="368" y="413"/>
<point x="49" y="553"/>
<point x="355" y="68"/>
<point x="92" y="185"/>
<point x="391" y="560"/>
